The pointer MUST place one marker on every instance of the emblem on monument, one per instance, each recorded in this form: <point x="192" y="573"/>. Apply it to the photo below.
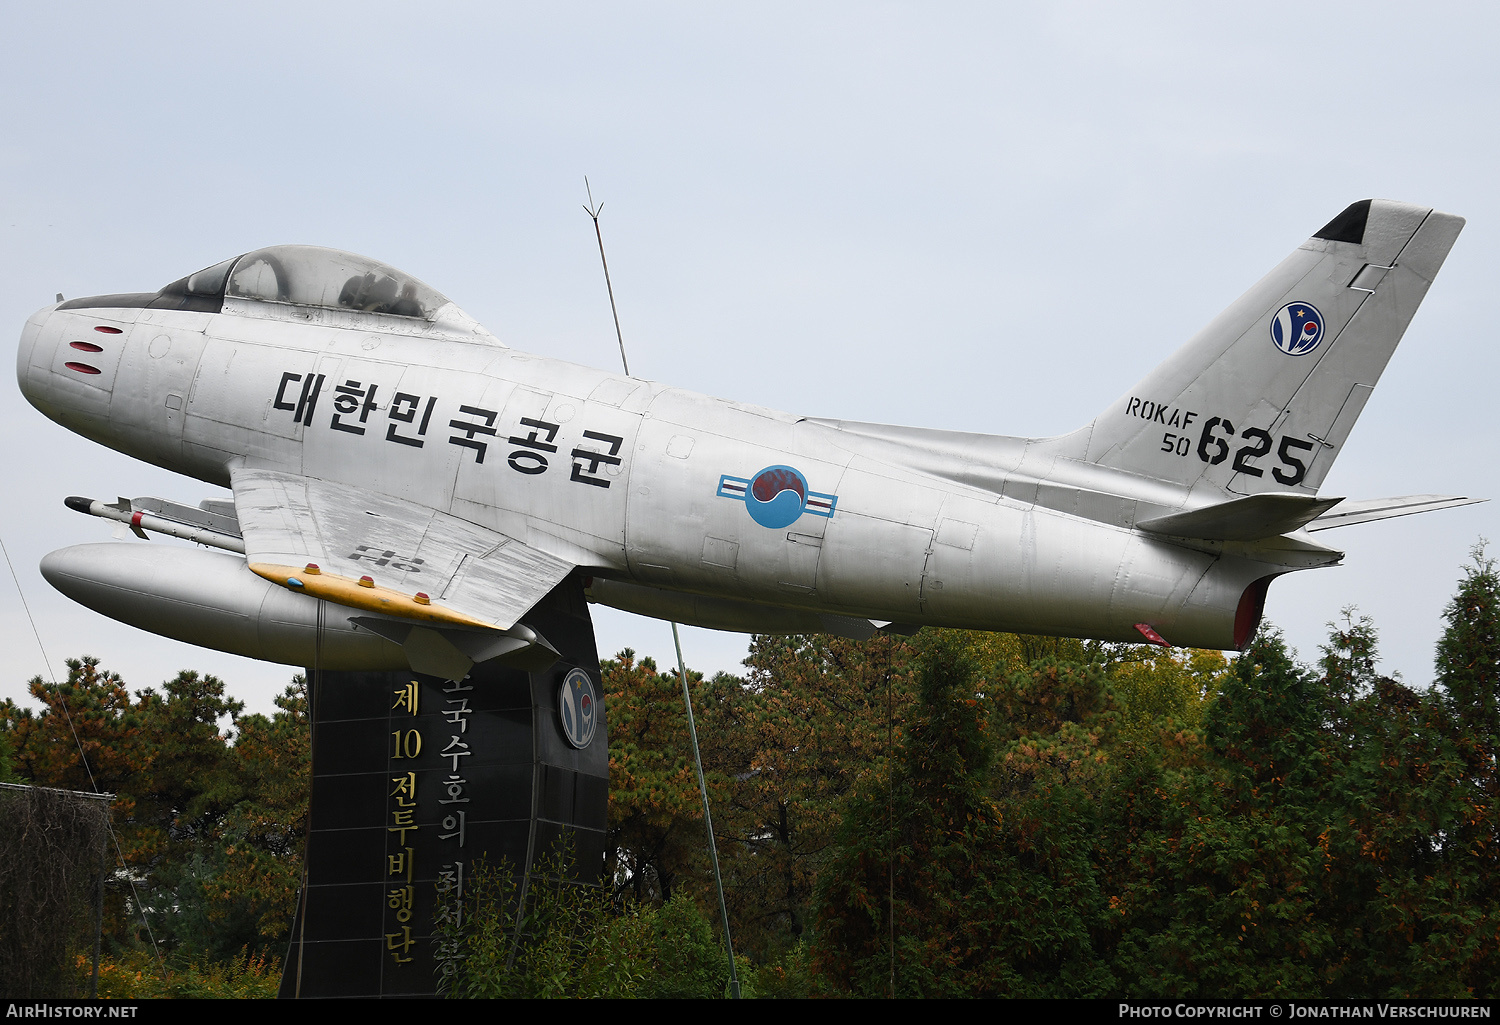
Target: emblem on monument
<point x="575" y="708"/>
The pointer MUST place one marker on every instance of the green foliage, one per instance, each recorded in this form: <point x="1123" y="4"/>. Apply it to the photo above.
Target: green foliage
<point x="941" y="889"/>
<point x="1165" y="686"/>
<point x="1226" y="900"/>
<point x="561" y="928"/>
<point x="815" y="719"/>
<point x="783" y="749"/>
<point x="251" y="892"/>
<point x="8" y="772"/>
<point x="210" y="805"/>
<point x="1349" y="659"/>
<point x="137" y="975"/>
<point x="1422" y="911"/>
<point x="54" y="850"/>
<point x="687" y="959"/>
<point x="570" y="939"/>
<point x="1268" y="719"/>
<point x="655" y="813"/>
<point x="1468" y="655"/>
<point x="790" y="977"/>
<point x="92" y="704"/>
<point x="953" y="814"/>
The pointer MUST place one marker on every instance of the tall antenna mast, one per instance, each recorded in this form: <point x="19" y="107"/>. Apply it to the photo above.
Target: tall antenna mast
<point x="687" y="698"/>
<point x="593" y="211"/>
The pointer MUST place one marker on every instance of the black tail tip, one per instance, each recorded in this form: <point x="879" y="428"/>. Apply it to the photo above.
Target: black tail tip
<point x="1348" y="226"/>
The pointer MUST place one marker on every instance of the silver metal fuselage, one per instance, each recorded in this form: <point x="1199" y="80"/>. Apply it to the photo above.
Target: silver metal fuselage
<point x="643" y="486"/>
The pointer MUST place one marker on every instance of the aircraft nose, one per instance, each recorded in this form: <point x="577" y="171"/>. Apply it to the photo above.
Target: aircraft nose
<point x="67" y="362"/>
<point x="31" y="364"/>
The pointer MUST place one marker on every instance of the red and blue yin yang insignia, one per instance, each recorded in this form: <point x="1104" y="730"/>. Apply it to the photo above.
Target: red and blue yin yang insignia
<point x="777" y="496"/>
<point x="1297" y="328"/>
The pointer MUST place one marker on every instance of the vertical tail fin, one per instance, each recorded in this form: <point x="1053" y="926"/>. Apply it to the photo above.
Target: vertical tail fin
<point x="1263" y="398"/>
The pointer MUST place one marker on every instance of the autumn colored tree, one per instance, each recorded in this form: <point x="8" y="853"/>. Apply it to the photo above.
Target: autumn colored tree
<point x="1055" y="726"/>
<point x="1468" y="681"/>
<point x="1408" y="891"/>
<point x="1414" y="913"/>
<point x="655" y="812"/>
<point x="1159" y="686"/>
<point x="954" y="813"/>
<point x="188" y="784"/>
<point x="251" y="891"/>
<point x="1227" y="902"/>
<point x="969" y="872"/>
<point x="178" y="780"/>
<point x="89" y="713"/>
<point x="815" y="718"/>
<point x="7" y="760"/>
<point x="1468" y="655"/>
<point x="879" y="931"/>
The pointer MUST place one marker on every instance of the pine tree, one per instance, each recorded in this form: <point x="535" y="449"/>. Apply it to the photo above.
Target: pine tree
<point x="1468" y="674"/>
<point x="1468" y="655"/>
<point x="971" y="870"/>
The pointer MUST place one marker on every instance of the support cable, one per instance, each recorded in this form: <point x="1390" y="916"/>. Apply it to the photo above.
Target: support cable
<point x="708" y="821"/>
<point x="309" y="689"/>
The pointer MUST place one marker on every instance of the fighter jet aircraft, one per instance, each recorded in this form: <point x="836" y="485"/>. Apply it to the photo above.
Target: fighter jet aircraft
<point x="391" y="457"/>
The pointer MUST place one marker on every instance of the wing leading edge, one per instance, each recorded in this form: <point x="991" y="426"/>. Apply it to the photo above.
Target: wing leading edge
<point x="449" y="583"/>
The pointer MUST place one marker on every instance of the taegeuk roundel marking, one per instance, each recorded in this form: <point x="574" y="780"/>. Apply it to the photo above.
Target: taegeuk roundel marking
<point x="1297" y="328"/>
<point x="777" y="496"/>
<point x="577" y="708"/>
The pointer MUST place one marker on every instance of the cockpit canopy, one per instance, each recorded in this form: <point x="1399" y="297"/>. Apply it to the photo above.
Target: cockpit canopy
<point x="308" y="283"/>
<point x="316" y="277"/>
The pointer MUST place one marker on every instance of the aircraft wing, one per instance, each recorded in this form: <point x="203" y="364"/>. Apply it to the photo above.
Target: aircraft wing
<point x="1385" y="508"/>
<point x="370" y="551"/>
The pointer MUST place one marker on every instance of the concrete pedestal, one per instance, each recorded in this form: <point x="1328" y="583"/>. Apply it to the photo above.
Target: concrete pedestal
<point x="416" y="778"/>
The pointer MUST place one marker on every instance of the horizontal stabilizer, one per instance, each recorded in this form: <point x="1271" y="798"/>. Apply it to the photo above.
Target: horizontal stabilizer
<point x="1244" y="519"/>
<point x="1386" y="508"/>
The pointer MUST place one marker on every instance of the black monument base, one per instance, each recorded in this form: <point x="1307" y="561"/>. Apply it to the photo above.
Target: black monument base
<point x="415" y="779"/>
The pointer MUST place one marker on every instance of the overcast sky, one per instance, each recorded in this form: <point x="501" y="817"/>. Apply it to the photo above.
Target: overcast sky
<point x="980" y="217"/>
